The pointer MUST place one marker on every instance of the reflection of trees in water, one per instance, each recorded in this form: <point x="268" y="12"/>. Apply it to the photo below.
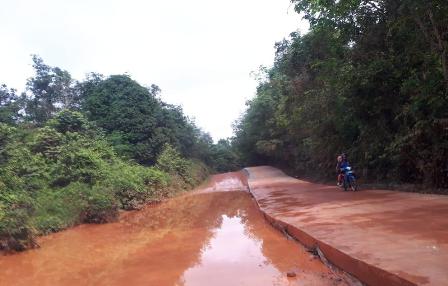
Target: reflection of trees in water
<point x="154" y="246"/>
<point x="186" y="225"/>
<point x="182" y="228"/>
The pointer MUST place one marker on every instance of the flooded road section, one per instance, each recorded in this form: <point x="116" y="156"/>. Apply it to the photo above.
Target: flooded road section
<point x="216" y="236"/>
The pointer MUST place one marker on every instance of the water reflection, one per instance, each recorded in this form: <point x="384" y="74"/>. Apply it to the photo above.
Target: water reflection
<point x="232" y="257"/>
<point x="216" y="238"/>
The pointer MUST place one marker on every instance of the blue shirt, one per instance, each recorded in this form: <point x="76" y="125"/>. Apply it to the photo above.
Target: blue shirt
<point x="345" y="164"/>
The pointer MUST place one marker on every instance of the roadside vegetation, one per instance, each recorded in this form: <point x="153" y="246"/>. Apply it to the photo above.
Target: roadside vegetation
<point x="77" y="152"/>
<point x="370" y="78"/>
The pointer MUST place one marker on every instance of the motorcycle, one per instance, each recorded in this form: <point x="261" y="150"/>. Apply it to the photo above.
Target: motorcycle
<point x="349" y="180"/>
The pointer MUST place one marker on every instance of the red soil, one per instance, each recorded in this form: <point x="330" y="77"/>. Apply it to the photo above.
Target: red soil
<point x="381" y="237"/>
<point x="213" y="236"/>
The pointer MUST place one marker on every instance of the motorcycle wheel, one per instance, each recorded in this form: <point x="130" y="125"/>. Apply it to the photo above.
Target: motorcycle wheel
<point x="353" y="185"/>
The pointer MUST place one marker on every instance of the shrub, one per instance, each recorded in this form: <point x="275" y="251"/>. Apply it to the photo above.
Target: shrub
<point x="16" y="208"/>
<point x="47" y="141"/>
<point x="67" y="173"/>
<point x="135" y="185"/>
<point x="101" y="205"/>
<point x="57" y="209"/>
<point x="184" y="173"/>
<point x="197" y="172"/>
<point x="79" y="163"/>
<point x="171" y="161"/>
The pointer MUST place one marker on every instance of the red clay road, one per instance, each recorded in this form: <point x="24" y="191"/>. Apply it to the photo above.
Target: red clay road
<point x="380" y="237"/>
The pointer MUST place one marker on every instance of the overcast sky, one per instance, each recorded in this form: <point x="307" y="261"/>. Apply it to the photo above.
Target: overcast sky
<point x="199" y="52"/>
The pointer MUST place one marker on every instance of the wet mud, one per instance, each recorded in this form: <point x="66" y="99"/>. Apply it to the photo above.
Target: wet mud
<point x="213" y="236"/>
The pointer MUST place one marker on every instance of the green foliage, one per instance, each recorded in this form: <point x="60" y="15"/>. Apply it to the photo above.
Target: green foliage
<point x="135" y="185"/>
<point x="69" y="121"/>
<point x="6" y="133"/>
<point x="224" y="158"/>
<point x="66" y="173"/>
<point x="69" y="152"/>
<point x="197" y="173"/>
<point x="47" y="141"/>
<point x="10" y="105"/>
<point x="171" y="161"/>
<point x="102" y="204"/>
<point x="82" y="160"/>
<point x="16" y="208"/>
<point x="57" y="209"/>
<point x="369" y="79"/>
<point x="52" y="89"/>
<point x="136" y="121"/>
<point x="188" y="172"/>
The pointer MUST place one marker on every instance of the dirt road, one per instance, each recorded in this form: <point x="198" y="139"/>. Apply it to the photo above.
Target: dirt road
<point x="213" y="236"/>
<point x="382" y="237"/>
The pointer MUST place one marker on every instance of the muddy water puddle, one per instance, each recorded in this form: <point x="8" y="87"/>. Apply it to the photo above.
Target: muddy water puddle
<point x="210" y="238"/>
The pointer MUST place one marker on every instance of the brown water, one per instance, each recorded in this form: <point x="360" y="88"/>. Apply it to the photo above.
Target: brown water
<point x="208" y="238"/>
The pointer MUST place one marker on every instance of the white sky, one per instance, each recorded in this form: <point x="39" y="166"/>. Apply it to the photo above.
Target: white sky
<point x="199" y="52"/>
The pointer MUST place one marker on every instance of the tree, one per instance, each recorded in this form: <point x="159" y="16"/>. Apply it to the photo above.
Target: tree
<point x="10" y="105"/>
<point x="368" y="79"/>
<point x="224" y="157"/>
<point x="137" y="122"/>
<point x="50" y="90"/>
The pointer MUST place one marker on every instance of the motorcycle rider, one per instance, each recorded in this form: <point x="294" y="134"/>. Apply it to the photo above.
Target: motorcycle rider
<point x="338" y="171"/>
<point x="341" y="164"/>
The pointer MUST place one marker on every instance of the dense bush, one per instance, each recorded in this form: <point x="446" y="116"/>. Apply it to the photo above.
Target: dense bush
<point x="16" y="207"/>
<point x="225" y="157"/>
<point x="66" y="173"/>
<point x="135" y="185"/>
<point x="57" y="209"/>
<point x="190" y="172"/>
